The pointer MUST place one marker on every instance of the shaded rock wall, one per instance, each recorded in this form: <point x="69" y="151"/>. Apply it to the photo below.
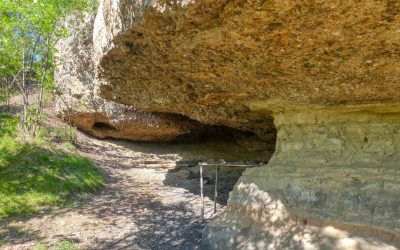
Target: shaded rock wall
<point x="91" y="36"/>
<point x="78" y="99"/>
<point x="333" y="182"/>
<point x="326" y="72"/>
<point x="232" y="62"/>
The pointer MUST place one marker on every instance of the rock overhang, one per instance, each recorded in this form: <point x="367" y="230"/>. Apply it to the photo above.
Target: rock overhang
<point x="227" y="57"/>
<point x="326" y="71"/>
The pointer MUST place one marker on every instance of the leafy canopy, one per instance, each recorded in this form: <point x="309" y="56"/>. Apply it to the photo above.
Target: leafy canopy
<point x="28" y="31"/>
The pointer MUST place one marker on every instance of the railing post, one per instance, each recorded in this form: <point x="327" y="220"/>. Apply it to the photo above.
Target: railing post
<point x="201" y="192"/>
<point x="216" y="189"/>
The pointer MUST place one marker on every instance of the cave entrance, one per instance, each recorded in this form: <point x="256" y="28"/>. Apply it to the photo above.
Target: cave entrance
<point x="211" y="143"/>
<point x="230" y="150"/>
<point x="215" y="142"/>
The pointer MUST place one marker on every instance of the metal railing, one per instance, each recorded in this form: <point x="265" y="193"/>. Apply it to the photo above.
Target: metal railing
<point x="216" y="165"/>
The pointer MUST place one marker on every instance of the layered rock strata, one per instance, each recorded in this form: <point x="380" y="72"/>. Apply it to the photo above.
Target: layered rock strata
<point x="333" y="183"/>
<point x="324" y="73"/>
<point x="214" y="60"/>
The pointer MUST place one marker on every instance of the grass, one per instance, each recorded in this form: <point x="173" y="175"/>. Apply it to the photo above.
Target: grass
<point x="64" y="134"/>
<point x="63" y="245"/>
<point x="36" y="175"/>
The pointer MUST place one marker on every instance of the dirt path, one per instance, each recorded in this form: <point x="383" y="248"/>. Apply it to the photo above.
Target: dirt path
<point x="150" y="199"/>
<point x="135" y="210"/>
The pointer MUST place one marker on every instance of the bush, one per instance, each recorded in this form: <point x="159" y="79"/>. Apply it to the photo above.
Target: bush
<point x="63" y="134"/>
<point x="8" y="124"/>
<point x="3" y="96"/>
<point x="66" y="134"/>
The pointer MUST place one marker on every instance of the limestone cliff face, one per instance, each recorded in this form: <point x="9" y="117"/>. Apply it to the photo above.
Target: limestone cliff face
<point x="233" y="62"/>
<point x="333" y="183"/>
<point x="78" y="99"/>
<point x="325" y="74"/>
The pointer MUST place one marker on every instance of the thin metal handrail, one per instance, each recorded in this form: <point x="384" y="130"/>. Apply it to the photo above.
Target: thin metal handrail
<point x="216" y="165"/>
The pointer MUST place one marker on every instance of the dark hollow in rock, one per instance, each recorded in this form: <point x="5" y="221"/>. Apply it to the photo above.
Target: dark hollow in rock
<point x="103" y="126"/>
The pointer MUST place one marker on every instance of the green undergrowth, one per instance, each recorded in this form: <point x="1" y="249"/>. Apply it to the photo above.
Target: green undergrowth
<point x="63" y="245"/>
<point x="38" y="175"/>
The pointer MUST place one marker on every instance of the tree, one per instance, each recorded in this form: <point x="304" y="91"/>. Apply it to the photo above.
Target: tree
<point x="29" y="29"/>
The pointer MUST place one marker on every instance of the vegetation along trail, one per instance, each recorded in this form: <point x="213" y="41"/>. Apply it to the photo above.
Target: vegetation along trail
<point x="143" y="204"/>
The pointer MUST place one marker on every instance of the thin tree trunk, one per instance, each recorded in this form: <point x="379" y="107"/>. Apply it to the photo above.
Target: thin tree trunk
<point x="5" y="86"/>
<point x="8" y="95"/>
<point x="40" y="96"/>
<point x="69" y="111"/>
<point x="24" y="95"/>
<point x="36" y="125"/>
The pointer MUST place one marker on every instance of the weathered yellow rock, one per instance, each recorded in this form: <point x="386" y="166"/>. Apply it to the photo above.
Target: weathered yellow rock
<point x="214" y="60"/>
<point x="333" y="183"/>
<point x="80" y="103"/>
<point x="327" y="73"/>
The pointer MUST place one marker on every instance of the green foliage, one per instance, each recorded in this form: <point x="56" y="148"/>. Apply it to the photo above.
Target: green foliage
<point x="29" y="29"/>
<point x="3" y="96"/>
<point x="63" y="245"/>
<point x="40" y="246"/>
<point x="8" y="125"/>
<point x="34" y="175"/>
<point x="28" y="32"/>
<point x="64" y="134"/>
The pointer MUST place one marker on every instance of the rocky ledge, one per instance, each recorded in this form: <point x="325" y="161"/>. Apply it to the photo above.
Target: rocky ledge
<point x="333" y="183"/>
<point x="78" y="100"/>
<point x="323" y="74"/>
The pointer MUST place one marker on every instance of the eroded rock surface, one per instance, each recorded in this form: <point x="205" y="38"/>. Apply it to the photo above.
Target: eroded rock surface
<point x="333" y="182"/>
<point x="230" y="62"/>
<point x="79" y="102"/>
<point x="90" y="38"/>
<point x="326" y="72"/>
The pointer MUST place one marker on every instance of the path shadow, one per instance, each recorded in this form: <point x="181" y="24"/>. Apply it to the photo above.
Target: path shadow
<point x="10" y="109"/>
<point x="14" y="235"/>
<point x="150" y="221"/>
<point x="188" y="177"/>
<point x="157" y="225"/>
<point x="182" y="160"/>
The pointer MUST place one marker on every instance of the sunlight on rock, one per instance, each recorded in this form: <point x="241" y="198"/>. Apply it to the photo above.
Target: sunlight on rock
<point x="293" y="105"/>
<point x="332" y="232"/>
<point x="264" y="216"/>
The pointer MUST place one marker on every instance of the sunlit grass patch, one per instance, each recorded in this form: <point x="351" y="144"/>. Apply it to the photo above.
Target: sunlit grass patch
<point x="36" y="175"/>
<point x="63" y="245"/>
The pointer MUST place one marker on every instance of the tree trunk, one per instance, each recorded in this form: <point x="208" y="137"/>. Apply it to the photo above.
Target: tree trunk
<point x="39" y="110"/>
<point x="24" y="96"/>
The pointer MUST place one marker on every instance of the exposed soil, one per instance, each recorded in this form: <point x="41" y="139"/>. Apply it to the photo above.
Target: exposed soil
<point x="150" y="200"/>
<point x="135" y="210"/>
